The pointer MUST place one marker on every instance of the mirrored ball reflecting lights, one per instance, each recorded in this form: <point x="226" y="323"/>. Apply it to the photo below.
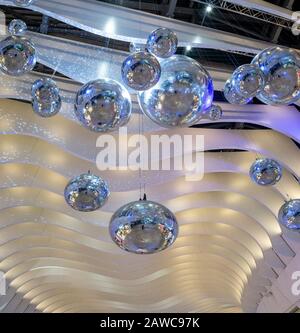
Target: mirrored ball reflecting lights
<point x="140" y="71"/>
<point x="265" y="172"/>
<point x="162" y="42"/>
<point x="46" y="100"/>
<point x="17" y="55"/>
<point x="183" y="93"/>
<point x="215" y="112"/>
<point x="143" y="227"/>
<point x="289" y="215"/>
<point x="17" y="28"/>
<point x="248" y="80"/>
<point x="86" y="192"/>
<point x="232" y="96"/>
<point x="281" y="68"/>
<point x="103" y="105"/>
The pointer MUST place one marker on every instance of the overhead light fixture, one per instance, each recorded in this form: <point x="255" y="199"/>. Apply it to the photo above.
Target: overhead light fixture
<point x="209" y="8"/>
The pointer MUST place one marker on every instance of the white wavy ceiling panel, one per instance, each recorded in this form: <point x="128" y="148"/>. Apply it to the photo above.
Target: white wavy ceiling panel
<point x="130" y="25"/>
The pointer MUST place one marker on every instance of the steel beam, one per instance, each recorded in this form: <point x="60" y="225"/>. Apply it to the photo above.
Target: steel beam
<point x="284" y="22"/>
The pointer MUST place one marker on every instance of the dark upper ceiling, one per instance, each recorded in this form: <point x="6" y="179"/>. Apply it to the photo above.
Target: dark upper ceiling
<point x="219" y="18"/>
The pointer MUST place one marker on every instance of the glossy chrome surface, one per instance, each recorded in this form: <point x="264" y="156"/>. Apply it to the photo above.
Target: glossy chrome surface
<point x="17" y="28"/>
<point x="103" y="105"/>
<point x="140" y="71"/>
<point x="215" y="112"/>
<point x="162" y="42"/>
<point x="46" y="100"/>
<point x="180" y="97"/>
<point x="265" y="172"/>
<point x="17" y="55"/>
<point x="281" y="68"/>
<point x="289" y="215"/>
<point x="232" y="96"/>
<point x="248" y="80"/>
<point x="86" y="192"/>
<point x="143" y="227"/>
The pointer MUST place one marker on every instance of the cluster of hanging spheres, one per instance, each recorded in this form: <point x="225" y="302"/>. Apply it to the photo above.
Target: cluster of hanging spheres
<point x="173" y="91"/>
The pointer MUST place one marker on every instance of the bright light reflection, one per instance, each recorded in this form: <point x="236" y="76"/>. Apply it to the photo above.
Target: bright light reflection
<point x="110" y="26"/>
<point x="209" y="8"/>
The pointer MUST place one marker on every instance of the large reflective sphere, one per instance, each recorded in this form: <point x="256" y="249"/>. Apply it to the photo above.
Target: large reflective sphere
<point x="140" y="71"/>
<point x="23" y="3"/>
<point x="46" y="101"/>
<point x="248" y="80"/>
<point x="103" y="105"/>
<point x="265" y="171"/>
<point x="281" y="68"/>
<point x="183" y="93"/>
<point x="289" y="215"/>
<point x="143" y="227"/>
<point x="86" y="192"/>
<point x="162" y="42"/>
<point x="17" y="28"/>
<point x="17" y="55"/>
<point x="215" y="112"/>
<point x="232" y="96"/>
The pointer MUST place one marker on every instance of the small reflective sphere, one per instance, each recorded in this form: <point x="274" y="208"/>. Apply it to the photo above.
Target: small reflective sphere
<point x="17" y="28"/>
<point x="248" y="80"/>
<point x="289" y="215"/>
<point x="215" y="112"/>
<point x="103" y="105"/>
<point x="140" y="71"/>
<point x="86" y="192"/>
<point x="23" y="3"/>
<point x="183" y="93"/>
<point x="137" y="47"/>
<point x="46" y="100"/>
<point x="143" y="227"/>
<point x="162" y="42"/>
<point x="232" y="96"/>
<point x="17" y="55"/>
<point x="265" y="171"/>
<point x="281" y="68"/>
